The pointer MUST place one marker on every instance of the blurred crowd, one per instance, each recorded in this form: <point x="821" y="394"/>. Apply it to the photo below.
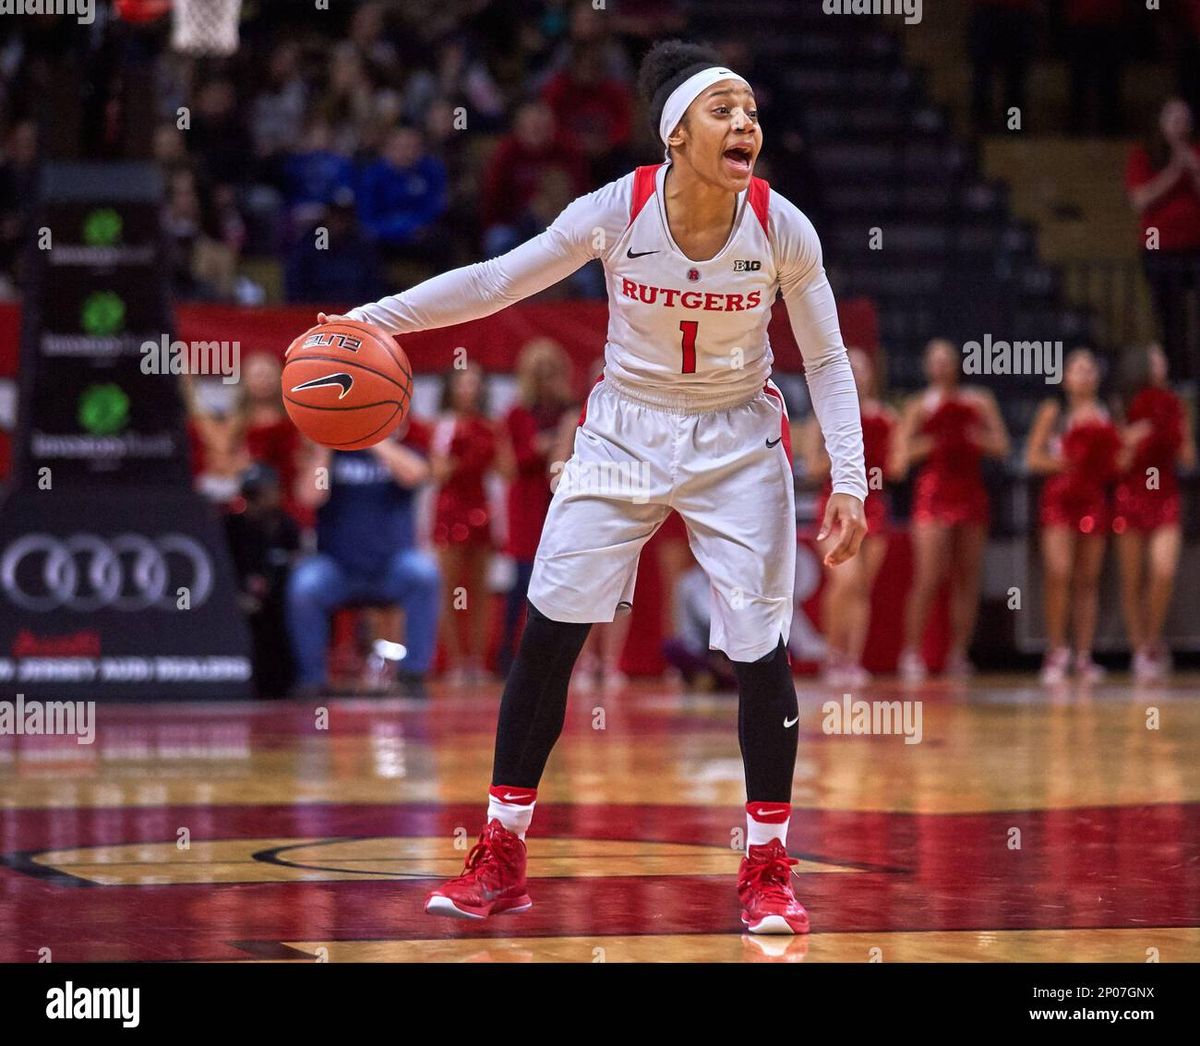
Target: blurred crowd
<point x="362" y="135"/>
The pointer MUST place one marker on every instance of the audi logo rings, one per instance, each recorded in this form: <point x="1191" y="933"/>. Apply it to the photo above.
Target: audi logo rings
<point x="125" y="572"/>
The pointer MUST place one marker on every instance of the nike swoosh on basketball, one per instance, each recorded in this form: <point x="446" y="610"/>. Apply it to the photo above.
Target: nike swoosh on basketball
<point x="342" y="379"/>
<point x="774" y="442"/>
<point x="639" y="254"/>
<point x="790" y="722"/>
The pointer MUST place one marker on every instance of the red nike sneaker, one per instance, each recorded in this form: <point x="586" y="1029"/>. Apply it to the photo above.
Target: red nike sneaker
<point x="765" y="890"/>
<point x="493" y="880"/>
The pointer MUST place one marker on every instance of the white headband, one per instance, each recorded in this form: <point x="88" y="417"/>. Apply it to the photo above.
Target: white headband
<point x="686" y="93"/>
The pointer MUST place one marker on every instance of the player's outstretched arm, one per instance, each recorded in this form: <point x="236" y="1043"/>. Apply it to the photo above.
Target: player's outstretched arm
<point x="473" y="291"/>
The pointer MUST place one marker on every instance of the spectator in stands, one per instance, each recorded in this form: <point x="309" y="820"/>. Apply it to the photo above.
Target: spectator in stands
<point x="530" y="433"/>
<point x="338" y="264"/>
<point x="454" y="73"/>
<point x="1162" y="178"/>
<point x="18" y="169"/>
<point x="1000" y="38"/>
<point x="516" y="171"/>
<point x="170" y="148"/>
<point x="263" y="541"/>
<point x="181" y="220"/>
<point x="271" y="438"/>
<point x="1095" y="38"/>
<point x="217" y="438"/>
<point x="366" y="552"/>
<point x="591" y="30"/>
<point x="402" y="195"/>
<point x="463" y="452"/>
<point x="348" y="104"/>
<point x="594" y="112"/>
<point x="313" y="176"/>
<point x="218" y="139"/>
<point x="278" y="111"/>
<point x="368" y="37"/>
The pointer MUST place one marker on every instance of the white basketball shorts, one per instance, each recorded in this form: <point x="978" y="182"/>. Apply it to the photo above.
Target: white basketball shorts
<point x="726" y="472"/>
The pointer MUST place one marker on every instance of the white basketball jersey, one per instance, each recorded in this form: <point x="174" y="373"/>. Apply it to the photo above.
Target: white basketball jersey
<point x="683" y="331"/>
<point x="682" y="334"/>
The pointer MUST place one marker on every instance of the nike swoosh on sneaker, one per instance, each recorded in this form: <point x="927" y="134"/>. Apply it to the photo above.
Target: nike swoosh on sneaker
<point x="790" y="722"/>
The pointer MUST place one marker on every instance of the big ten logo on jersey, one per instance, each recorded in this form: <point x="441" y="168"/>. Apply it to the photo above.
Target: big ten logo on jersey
<point x="324" y="338"/>
<point x="746" y="265"/>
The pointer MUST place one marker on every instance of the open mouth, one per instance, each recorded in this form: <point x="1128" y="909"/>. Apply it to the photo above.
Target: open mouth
<point x="739" y="158"/>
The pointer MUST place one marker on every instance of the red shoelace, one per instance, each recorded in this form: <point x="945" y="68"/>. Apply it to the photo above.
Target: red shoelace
<point x="772" y="876"/>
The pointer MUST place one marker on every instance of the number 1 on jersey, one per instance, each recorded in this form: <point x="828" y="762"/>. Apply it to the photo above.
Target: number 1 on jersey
<point x="689" y="328"/>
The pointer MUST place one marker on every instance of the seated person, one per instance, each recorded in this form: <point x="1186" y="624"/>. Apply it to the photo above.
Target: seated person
<point x="366" y="552"/>
<point x="688" y="650"/>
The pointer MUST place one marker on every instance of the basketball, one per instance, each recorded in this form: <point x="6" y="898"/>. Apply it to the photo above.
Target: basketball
<point x="346" y="385"/>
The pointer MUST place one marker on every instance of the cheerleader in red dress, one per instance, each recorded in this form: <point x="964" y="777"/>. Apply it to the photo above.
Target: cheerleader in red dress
<point x="463" y="450"/>
<point x="271" y="438"/>
<point x="530" y="433"/>
<point x="947" y="431"/>
<point x="1146" y="519"/>
<point x="1077" y="448"/>
<point x="846" y="599"/>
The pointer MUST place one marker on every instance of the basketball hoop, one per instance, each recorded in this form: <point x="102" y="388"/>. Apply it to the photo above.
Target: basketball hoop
<point x="205" y="27"/>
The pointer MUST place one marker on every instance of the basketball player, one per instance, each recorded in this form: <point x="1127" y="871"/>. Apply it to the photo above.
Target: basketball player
<point x="694" y="251"/>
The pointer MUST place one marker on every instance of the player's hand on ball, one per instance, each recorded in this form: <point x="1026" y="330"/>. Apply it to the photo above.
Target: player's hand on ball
<point x="329" y="317"/>
<point x="846" y="511"/>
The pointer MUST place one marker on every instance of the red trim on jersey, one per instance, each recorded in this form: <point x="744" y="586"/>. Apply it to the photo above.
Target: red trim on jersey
<point x="760" y="199"/>
<point x="583" y="413"/>
<point x="785" y="428"/>
<point x="643" y="188"/>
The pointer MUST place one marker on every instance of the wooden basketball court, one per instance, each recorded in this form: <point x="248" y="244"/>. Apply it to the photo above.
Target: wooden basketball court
<point x="1025" y="825"/>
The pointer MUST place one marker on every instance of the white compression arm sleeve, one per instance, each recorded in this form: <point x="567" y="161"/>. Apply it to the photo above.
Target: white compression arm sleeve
<point x="813" y="315"/>
<point x="489" y="286"/>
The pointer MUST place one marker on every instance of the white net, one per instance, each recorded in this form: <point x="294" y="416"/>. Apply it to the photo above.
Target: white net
<point x="205" y="27"/>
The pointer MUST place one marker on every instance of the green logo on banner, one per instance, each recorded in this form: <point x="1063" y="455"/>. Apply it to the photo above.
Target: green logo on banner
<point x="103" y="409"/>
<point x="103" y="314"/>
<point x="102" y="228"/>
